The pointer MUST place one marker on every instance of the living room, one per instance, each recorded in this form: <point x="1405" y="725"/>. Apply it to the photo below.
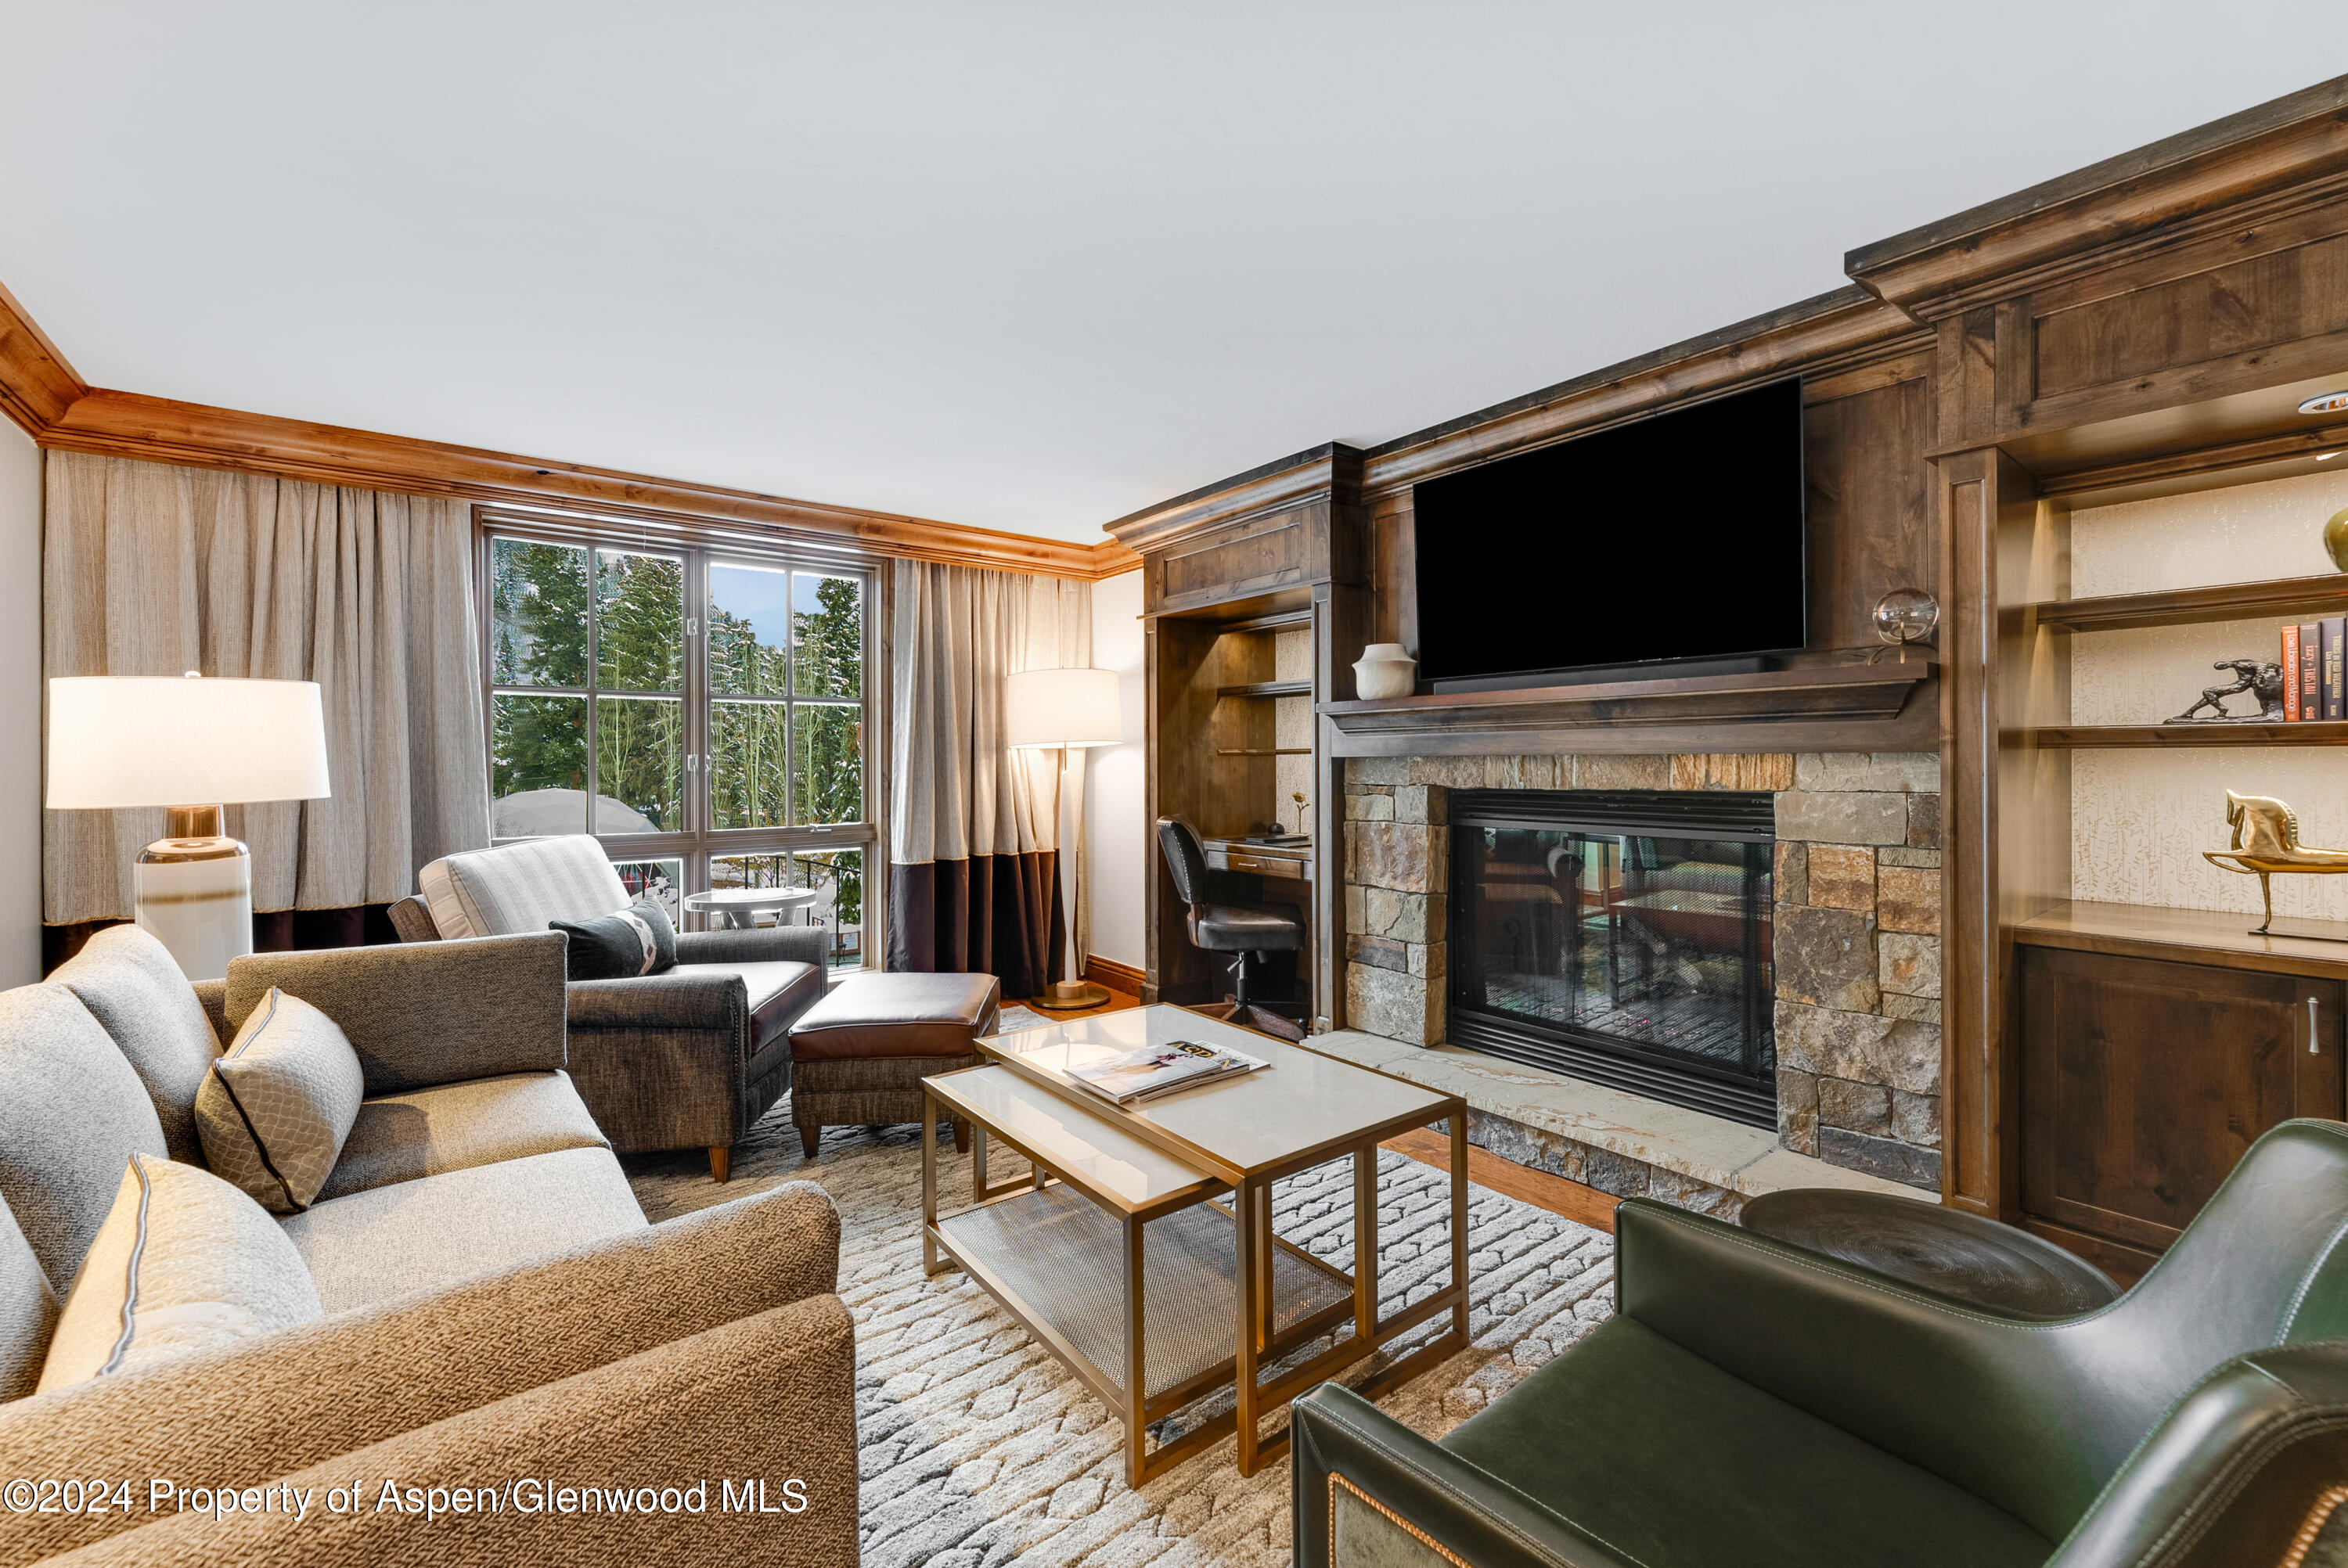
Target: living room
<point x="987" y="786"/>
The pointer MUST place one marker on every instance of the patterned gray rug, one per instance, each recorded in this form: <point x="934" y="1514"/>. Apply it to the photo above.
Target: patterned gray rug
<point x="981" y="1451"/>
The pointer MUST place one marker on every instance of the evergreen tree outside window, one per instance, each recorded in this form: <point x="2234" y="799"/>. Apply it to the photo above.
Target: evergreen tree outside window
<point x="611" y="663"/>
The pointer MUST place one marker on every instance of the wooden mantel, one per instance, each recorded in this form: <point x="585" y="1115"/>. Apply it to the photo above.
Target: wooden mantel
<point x="1829" y="707"/>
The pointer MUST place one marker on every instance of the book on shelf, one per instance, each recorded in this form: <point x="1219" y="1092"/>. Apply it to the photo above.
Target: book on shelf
<point x="2292" y="711"/>
<point x="2307" y="674"/>
<point x="1157" y="1070"/>
<point x="2335" y="702"/>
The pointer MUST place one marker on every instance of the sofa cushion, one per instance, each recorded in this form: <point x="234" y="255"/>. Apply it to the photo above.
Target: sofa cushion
<point x="72" y="1113"/>
<point x="276" y="1107"/>
<point x="456" y="1126"/>
<point x="29" y="1312"/>
<point x="638" y="940"/>
<point x="460" y="1224"/>
<point x="523" y="886"/>
<point x="133" y="986"/>
<point x="780" y="995"/>
<point x="897" y="1015"/>
<point x="184" y="1263"/>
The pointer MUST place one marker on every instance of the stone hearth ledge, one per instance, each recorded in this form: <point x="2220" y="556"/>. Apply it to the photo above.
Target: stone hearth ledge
<point x="1746" y="1161"/>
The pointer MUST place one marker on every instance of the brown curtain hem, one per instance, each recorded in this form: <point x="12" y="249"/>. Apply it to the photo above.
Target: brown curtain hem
<point x="994" y="914"/>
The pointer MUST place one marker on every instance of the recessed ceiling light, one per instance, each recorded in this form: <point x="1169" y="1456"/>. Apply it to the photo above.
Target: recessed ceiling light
<point x="2325" y="456"/>
<point x="2326" y="402"/>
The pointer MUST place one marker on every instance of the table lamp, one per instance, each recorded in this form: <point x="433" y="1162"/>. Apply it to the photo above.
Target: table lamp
<point x="118" y="742"/>
<point x="1069" y="710"/>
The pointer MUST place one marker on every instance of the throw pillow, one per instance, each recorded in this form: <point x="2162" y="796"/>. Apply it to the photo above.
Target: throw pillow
<point x="183" y="1263"/>
<point x="273" y="1112"/>
<point x="638" y="940"/>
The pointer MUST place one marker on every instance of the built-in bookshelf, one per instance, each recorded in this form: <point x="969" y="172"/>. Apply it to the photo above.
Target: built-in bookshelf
<point x="2129" y="603"/>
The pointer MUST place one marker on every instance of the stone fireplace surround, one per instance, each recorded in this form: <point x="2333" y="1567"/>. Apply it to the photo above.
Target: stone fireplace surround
<point x="1857" y="947"/>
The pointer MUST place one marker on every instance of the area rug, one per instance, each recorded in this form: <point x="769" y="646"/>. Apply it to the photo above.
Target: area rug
<point x="980" y="1451"/>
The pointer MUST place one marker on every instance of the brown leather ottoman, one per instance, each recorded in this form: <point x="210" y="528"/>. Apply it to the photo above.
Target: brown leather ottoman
<point x="859" y="1056"/>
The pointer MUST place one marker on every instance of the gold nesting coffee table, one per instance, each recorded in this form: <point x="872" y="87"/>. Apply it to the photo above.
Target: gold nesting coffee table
<point x="1142" y="1252"/>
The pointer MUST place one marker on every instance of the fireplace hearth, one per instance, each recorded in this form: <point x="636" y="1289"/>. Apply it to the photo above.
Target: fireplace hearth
<point x="1622" y="937"/>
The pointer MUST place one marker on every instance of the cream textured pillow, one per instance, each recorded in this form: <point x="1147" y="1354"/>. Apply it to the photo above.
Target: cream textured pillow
<point x="274" y="1110"/>
<point x="183" y="1263"/>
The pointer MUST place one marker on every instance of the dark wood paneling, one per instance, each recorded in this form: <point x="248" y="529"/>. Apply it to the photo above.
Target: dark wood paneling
<point x="2145" y="1082"/>
<point x="1257" y="555"/>
<point x="1870" y="507"/>
<point x="2231" y="310"/>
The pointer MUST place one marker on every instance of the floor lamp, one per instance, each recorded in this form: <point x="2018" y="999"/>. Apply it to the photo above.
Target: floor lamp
<point x="117" y="741"/>
<point x="1068" y="710"/>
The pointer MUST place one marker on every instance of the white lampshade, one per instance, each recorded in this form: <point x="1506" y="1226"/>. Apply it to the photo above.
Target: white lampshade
<point x="138" y="741"/>
<point x="1063" y="708"/>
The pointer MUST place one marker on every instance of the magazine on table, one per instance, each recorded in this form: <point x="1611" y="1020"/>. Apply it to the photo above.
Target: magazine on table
<point x="1156" y="1069"/>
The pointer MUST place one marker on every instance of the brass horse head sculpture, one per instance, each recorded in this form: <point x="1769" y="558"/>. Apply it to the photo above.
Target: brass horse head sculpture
<point x="2266" y="841"/>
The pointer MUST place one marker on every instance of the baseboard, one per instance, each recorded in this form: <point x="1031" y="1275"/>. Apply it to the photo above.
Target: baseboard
<point x="1116" y="977"/>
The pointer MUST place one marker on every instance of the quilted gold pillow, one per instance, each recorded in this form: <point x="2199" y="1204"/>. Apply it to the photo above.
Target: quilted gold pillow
<point x="274" y="1109"/>
<point x="183" y="1263"/>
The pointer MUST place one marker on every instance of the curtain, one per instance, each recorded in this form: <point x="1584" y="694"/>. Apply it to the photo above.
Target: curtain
<point x="974" y="832"/>
<point x="150" y="570"/>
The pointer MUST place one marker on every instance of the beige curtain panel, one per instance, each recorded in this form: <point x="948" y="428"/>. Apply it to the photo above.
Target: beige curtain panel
<point x="150" y="569"/>
<point x="974" y="831"/>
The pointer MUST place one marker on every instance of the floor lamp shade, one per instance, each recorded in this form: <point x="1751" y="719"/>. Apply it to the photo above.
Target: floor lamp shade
<point x="1069" y="709"/>
<point x="191" y="745"/>
<point x="1063" y="708"/>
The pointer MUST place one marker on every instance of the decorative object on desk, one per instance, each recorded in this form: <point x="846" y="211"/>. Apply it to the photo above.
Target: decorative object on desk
<point x="117" y="741"/>
<point x="2265" y="842"/>
<point x="1385" y="669"/>
<point x="2336" y="538"/>
<point x="1068" y="710"/>
<point x="1298" y="797"/>
<point x="1903" y="616"/>
<point x="2263" y="681"/>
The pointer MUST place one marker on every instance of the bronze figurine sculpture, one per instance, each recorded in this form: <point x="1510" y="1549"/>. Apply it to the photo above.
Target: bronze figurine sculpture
<point x="2266" y="841"/>
<point x="2262" y="681"/>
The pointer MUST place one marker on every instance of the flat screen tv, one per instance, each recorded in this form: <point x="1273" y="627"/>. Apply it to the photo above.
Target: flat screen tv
<point x="1668" y="539"/>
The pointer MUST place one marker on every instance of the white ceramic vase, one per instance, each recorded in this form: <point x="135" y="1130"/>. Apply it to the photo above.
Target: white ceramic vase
<point x="1385" y="671"/>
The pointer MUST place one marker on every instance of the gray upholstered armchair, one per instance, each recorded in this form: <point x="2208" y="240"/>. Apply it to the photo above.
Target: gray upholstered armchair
<point x="685" y="1059"/>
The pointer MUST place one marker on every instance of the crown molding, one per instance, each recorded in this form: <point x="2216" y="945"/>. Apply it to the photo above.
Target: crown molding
<point x="2166" y="193"/>
<point x="41" y="392"/>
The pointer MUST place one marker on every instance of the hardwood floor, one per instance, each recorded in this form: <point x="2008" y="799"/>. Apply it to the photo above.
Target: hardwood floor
<point x="1583" y="1205"/>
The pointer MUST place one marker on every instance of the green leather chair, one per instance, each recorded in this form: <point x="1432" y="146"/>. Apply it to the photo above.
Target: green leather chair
<point x="1755" y="1405"/>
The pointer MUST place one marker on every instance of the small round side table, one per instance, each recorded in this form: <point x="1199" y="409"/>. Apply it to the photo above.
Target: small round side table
<point x="739" y="908"/>
<point x="1944" y="1249"/>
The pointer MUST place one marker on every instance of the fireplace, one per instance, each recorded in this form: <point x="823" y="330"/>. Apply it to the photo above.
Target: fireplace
<point x="1622" y="937"/>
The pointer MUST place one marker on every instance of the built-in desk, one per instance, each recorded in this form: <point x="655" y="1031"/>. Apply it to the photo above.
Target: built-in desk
<point x="1289" y="862"/>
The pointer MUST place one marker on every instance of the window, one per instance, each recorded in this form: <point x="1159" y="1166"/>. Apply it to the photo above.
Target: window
<point x="703" y="713"/>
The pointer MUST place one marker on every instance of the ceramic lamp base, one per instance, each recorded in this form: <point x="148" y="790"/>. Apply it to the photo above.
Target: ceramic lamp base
<point x="1068" y="994"/>
<point x="195" y="897"/>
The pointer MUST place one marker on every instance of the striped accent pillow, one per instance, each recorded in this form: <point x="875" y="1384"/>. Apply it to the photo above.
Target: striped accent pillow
<point x="183" y="1263"/>
<point x="523" y="886"/>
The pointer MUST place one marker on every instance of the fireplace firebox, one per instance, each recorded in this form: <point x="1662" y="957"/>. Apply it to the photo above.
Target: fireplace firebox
<point x="1621" y="936"/>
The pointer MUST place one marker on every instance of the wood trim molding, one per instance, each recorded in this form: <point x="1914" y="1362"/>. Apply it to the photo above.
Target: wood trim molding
<point x="1330" y="470"/>
<point x="1831" y="334"/>
<point x="1114" y="976"/>
<point x="37" y="384"/>
<point x="40" y="392"/>
<point x="2215" y="175"/>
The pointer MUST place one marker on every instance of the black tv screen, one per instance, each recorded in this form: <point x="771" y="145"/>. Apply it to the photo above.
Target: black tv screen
<point x="1677" y="537"/>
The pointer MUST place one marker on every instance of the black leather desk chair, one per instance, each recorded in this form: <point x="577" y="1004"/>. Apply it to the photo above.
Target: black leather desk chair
<point x="1245" y="931"/>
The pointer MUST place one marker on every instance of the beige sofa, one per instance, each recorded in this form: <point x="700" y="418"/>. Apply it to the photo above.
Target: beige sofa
<point x="500" y="1318"/>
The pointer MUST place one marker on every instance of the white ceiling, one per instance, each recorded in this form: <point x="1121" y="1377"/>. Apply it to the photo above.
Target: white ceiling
<point x="1024" y="266"/>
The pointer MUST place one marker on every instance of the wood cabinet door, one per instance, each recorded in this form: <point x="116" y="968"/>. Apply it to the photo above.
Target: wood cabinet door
<point x="2144" y="1082"/>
